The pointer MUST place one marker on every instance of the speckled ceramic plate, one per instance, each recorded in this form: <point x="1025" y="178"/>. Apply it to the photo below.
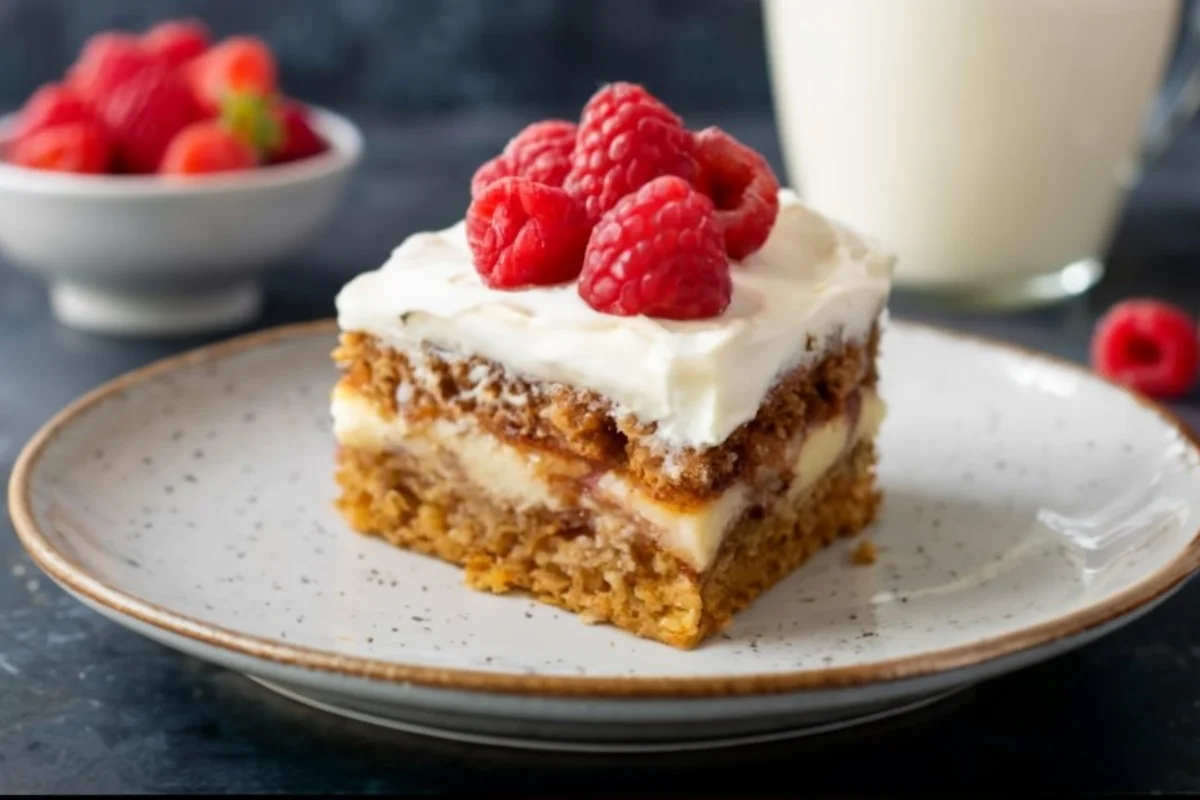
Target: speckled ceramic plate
<point x="1029" y="508"/>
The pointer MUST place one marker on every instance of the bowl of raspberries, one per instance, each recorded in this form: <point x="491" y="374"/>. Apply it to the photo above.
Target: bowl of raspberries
<point x="156" y="181"/>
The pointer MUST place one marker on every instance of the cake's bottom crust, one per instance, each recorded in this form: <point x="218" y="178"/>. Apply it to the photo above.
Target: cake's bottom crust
<point x="626" y="581"/>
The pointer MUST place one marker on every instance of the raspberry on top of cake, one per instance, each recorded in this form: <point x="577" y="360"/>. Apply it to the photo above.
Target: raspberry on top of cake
<point x="812" y="285"/>
<point x="637" y="380"/>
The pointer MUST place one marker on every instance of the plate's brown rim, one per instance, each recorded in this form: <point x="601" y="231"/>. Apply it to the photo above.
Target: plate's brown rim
<point x="76" y="579"/>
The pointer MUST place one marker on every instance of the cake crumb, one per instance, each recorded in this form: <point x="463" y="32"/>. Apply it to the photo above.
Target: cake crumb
<point x="865" y="553"/>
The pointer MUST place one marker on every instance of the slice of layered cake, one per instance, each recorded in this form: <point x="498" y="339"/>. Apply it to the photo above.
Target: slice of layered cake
<point x="637" y="382"/>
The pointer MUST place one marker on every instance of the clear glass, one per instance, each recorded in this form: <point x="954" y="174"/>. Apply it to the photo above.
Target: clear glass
<point x="989" y="143"/>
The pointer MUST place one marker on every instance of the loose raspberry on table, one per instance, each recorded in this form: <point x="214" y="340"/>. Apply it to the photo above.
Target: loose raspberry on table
<point x="659" y="253"/>
<point x="523" y="233"/>
<point x="80" y="147"/>
<point x="106" y="62"/>
<point x="145" y="113"/>
<point x="626" y="139"/>
<point x="540" y="152"/>
<point x="743" y="188"/>
<point x="1149" y="346"/>
<point x="51" y="105"/>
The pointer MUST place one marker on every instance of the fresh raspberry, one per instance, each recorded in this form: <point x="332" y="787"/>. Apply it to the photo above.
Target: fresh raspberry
<point x="177" y="42"/>
<point x="525" y="234"/>
<point x="743" y="189"/>
<point x="1148" y="345"/>
<point x="74" y="147"/>
<point x="205" y="147"/>
<point x="239" y="64"/>
<point x="51" y="105"/>
<point x="540" y="152"/>
<point x="626" y="139"/>
<point x="107" y="61"/>
<point x="489" y="172"/>
<point x="658" y="252"/>
<point x="145" y="113"/>
<point x="299" y="139"/>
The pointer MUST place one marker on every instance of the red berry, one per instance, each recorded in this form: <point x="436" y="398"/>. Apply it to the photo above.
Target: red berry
<point x="540" y="152"/>
<point x="491" y="171"/>
<point x="107" y="61"/>
<point x="299" y="140"/>
<point x="658" y="252"/>
<point x="525" y="234"/>
<point x="51" y="105"/>
<point x="1148" y="345"/>
<point x="743" y="189"/>
<point x="626" y="139"/>
<point x="74" y="147"/>
<point x="177" y="42"/>
<point x="145" y="113"/>
<point x="205" y="147"/>
<point x="237" y="65"/>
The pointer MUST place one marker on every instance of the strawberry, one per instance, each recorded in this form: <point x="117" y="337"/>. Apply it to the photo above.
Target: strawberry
<point x="106" y="62"/>
<point x="72" y="147"/>
<point x="255" y="118"/>
<point x="145" y="113"/>
<point x="205" y="147"/>
<point x="52" y="104"/>
<point x="177" y="42"/>
<point x="237" y="65"/>
<point x="300" y="140"/>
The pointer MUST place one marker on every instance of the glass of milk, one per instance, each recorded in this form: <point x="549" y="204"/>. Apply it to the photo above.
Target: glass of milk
<point x="990" y="143"/>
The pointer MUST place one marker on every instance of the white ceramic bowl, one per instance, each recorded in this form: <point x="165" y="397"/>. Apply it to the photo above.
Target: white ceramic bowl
<point x="150" y="256"/>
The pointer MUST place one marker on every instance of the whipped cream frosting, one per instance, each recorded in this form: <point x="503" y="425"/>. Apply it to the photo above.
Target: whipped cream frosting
<point x="813" y="280"/>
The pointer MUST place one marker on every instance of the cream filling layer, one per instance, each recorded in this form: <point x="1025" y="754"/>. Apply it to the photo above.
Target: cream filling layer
<point x="516" y="476"/>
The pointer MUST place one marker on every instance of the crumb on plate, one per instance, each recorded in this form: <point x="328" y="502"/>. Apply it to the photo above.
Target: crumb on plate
<point x="865" y="553"/>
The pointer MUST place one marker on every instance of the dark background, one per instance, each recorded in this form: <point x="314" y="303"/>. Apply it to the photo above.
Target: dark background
<point x="411" y="56"/>
<point x="88" y="706"/>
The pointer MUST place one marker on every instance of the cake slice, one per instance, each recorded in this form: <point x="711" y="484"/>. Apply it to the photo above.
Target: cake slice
<point x="656" y="474"/>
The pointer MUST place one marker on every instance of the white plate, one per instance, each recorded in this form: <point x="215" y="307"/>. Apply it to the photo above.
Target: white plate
<point x="1029" y="508"/>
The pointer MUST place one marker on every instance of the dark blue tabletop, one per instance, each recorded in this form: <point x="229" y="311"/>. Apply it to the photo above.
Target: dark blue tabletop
<point x="86" y="706"/>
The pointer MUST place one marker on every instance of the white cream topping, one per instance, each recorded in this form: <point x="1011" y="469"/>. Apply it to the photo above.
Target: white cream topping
<point x="512" y="475"/>
<point x="698" y="380"/>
